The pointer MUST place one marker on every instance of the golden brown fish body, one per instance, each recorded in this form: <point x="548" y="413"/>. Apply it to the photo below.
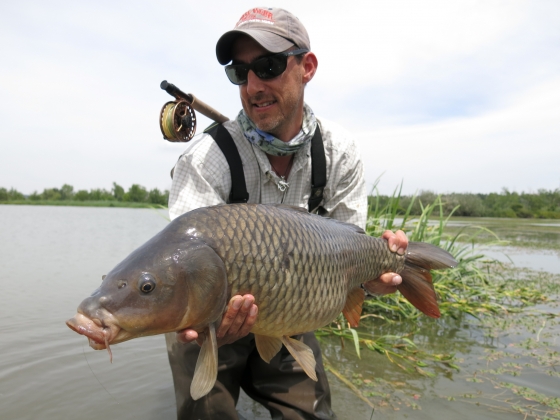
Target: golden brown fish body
<point x="302" y="269"/>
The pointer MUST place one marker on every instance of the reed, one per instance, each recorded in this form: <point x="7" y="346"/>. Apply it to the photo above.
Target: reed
<point x="477" y="287"/>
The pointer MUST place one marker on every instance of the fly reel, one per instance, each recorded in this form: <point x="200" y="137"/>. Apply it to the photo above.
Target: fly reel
<point x="177" y="121"/>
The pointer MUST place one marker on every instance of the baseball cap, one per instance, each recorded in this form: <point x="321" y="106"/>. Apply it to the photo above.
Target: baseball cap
<point x="274" y="29"/>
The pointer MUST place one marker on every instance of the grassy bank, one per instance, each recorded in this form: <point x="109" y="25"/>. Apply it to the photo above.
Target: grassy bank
<point x="136" y="196"/>
<point x="544" y="204"/>
<point x="481" y="295"/>
<point x="113" y="203"/>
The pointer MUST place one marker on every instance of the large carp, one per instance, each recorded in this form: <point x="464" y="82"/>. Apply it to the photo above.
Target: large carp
<point x="302" y="269"/>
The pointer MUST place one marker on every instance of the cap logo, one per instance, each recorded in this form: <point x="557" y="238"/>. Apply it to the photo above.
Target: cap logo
<point x="256" y="15"/>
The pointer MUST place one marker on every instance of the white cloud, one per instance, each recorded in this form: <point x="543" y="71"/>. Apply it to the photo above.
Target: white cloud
<point x="516" y="147"/>
<point x="80" y="97"/>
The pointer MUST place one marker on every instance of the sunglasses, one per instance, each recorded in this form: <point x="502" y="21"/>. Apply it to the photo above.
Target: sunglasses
<point x="265" y="68"/>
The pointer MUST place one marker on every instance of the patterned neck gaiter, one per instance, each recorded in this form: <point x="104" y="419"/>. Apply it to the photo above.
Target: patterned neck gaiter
<point x="276" y="147"/>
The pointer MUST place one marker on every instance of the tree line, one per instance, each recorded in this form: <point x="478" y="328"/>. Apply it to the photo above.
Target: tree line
<point x="135" y="194"/>
<point x="545" y="204"/>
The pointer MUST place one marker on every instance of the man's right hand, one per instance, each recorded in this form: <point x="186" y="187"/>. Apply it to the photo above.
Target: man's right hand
<point x="236" y="323"/>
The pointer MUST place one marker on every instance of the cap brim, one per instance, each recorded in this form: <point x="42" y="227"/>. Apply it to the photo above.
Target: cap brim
<point x="268" y="40"/>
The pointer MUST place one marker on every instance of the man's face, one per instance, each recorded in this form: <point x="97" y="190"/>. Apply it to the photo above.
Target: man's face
<point x="274" y="105"/>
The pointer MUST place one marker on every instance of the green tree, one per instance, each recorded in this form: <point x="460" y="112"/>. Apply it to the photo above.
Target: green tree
<point x="67" y="192"/>
<point x="118" y="192"/>
<point x="51" y="194"/>
<point x="15" y="195"/>
<point x="136" y="194"/>
<point x="155" y="196"/>
<point x="81" y="195"/>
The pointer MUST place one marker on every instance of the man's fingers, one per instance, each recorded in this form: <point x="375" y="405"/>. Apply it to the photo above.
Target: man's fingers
<point x="384" y="284"/>
<point x="397" y="241"/>
<point x="238" y="309"/>
<point x="249" y="321"/>
<point x="186" y="336"/>
<point x="402" y="239"/>
<point x="390" y="279"/>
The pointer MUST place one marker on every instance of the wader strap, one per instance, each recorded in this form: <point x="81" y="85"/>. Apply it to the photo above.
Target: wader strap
<point x="225" y="142"/>
<point x="318" y="171"/>
<point x="239" y="192"/>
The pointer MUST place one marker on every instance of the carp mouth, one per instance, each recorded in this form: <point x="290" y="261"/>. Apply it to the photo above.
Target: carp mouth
<point x="99" y="335"/>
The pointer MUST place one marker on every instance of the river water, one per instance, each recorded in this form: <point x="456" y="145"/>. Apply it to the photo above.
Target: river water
<point x="54" y="257"/>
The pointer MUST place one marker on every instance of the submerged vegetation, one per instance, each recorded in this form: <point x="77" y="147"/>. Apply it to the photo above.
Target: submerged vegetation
<point x="480" y="293"/>
<point x="136" y="196"/>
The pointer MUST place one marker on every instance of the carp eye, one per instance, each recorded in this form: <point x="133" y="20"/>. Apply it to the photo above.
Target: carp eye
<point x="147" y="283"/>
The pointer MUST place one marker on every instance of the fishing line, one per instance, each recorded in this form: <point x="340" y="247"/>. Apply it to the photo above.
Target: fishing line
<point x="95" y="376"/>
<point x="177" y="121"/>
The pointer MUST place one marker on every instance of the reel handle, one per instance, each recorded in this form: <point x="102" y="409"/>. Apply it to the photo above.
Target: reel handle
<point x="196" y="103"/>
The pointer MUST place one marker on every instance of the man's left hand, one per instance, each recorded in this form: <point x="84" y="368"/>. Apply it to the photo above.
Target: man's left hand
<point x="388" y="282"/>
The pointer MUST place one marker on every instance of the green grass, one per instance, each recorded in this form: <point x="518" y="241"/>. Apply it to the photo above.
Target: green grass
<point x="479" y="291"/>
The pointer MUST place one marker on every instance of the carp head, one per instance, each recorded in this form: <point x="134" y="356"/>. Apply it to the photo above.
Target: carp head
<point x="166" y="285"/>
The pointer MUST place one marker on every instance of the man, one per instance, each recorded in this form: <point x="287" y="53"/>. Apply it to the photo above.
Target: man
<point x="271" y="63"/>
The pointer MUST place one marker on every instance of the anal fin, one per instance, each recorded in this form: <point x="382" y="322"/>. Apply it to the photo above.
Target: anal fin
<point x="268" y="346"/>
<point x="353" y="306"/>
<point x="303" y="355"/>
<point x="206" y="369"/>
<point x="418" y="289"/>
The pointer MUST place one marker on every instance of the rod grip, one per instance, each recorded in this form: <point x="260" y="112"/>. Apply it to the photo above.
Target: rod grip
<point x="196" y="103"/>
<point x="207" y="110"/>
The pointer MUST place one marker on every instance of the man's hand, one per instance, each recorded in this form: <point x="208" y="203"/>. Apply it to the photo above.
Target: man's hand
<point x="388" y="282"/>
<point x="236" y="323"/>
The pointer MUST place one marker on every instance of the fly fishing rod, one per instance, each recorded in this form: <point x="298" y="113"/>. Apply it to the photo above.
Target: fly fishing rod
<point x="177" y="119"/>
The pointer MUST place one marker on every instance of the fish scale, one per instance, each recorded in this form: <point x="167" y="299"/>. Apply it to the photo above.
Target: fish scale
<point x="302" y="255"/>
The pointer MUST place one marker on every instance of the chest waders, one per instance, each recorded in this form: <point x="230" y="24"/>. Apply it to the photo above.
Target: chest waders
<point x="239" y="192"/>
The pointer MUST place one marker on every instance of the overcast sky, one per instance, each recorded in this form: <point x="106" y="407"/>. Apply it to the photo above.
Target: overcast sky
<point x="448" y="96"/>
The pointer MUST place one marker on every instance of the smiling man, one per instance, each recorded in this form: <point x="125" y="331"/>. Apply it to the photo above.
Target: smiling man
<point x="276" y="151"/>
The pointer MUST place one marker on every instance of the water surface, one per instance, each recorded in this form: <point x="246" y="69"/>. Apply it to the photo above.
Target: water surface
<point x="53" y="257"/>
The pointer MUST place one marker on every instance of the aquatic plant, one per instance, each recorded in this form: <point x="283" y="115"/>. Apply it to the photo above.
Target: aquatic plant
<point x="479" y="286"/>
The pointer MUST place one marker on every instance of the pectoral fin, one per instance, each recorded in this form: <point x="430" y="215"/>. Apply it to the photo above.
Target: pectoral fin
<point x="353" y="306"/>
<point x="303" y="355"/>
<point x="268" y="346"/>
<point x="206" y="370"/>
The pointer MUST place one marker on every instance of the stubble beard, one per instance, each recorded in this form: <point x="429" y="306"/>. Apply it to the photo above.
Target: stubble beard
<point x="275" y="124"/>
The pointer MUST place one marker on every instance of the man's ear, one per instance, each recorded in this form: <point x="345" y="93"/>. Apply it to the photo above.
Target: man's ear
<point x="310" y="64"/>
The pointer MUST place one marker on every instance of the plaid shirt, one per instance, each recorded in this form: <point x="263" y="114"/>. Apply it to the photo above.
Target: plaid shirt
<point x="202" y="178"/>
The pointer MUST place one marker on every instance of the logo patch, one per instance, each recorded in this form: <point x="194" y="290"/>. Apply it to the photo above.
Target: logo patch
<point x="256" y="15"/>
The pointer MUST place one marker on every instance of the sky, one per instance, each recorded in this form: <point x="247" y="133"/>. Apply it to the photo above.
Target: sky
<point x="446" y="96"/>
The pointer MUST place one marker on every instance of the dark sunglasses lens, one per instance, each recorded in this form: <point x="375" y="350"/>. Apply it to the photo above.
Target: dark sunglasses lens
<point x="270" y="67"/>
<point x="237" y="74"/>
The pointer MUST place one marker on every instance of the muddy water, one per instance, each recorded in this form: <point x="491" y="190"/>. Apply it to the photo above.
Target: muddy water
<point x="52" y="257"/>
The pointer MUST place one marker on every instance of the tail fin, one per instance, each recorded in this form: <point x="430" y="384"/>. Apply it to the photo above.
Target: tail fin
<point x="416" y="284"/>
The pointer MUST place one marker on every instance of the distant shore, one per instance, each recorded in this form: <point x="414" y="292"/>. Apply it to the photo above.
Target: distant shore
<point x="544" y="204"/>
<point x="123" y="204"/>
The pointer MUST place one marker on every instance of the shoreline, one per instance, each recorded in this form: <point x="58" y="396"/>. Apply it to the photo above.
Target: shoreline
<point x="72" y="203"/>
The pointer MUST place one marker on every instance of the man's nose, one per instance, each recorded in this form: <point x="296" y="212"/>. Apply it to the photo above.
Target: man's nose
<point x="254" y="84"/>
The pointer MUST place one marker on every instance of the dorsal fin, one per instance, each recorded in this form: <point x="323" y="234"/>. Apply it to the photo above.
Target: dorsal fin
<point x="351" y="226"/>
